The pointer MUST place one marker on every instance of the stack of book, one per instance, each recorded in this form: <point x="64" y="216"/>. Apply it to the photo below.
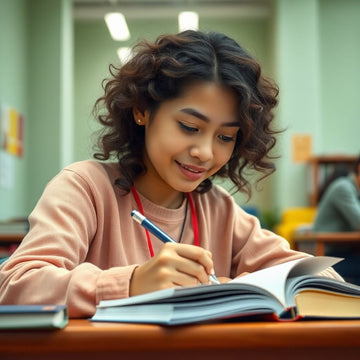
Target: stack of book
<point x="33" y="316"/>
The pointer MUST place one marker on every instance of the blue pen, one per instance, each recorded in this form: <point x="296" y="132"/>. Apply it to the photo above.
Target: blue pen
<point x="147" y="224"/>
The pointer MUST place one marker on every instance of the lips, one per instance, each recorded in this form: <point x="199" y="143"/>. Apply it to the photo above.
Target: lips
<point x="190" y="171"/>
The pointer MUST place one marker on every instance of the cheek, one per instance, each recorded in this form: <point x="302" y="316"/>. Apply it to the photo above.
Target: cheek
<point x="168" y="139"/>
<point x="161" y="144"/>
<point x="166" y="147"/>
<point x="223" y="155"/>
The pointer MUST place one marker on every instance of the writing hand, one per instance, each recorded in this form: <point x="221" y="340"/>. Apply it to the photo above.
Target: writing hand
<point x="174" y="265"/>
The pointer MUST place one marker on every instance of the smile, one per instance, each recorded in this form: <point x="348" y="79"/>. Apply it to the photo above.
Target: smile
<point x="194" y="169"/>
<point x="191" y="172"/>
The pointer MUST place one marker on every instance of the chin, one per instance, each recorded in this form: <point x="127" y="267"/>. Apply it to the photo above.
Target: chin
<point x="189" y="188"/>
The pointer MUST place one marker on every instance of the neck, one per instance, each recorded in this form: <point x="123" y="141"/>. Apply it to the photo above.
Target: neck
<point x="163" y="197"/>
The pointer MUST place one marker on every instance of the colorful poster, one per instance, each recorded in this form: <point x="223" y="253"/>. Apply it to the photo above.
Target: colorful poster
<point x="12" y="131"/>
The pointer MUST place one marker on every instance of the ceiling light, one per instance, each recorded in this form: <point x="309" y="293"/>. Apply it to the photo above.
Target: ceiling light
<point x="124" y="54"/>
<point x="117" y="26"/>
<point x="188" y="20"/>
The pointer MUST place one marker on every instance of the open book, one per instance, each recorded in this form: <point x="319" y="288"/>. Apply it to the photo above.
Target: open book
<point x="286" y="291"/>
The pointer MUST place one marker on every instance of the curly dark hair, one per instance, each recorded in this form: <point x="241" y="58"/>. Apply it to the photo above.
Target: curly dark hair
<point x="160" y="71"/>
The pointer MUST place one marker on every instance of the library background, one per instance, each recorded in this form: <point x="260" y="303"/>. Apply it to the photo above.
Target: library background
<point x="51" y="68"/>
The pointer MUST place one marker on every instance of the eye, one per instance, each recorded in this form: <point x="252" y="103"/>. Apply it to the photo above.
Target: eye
<point x="225" y="138"/>
<point x="187" y="128"/>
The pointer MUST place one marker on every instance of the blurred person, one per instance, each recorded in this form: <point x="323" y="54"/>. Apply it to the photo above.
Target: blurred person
<point x="339" y="211"/>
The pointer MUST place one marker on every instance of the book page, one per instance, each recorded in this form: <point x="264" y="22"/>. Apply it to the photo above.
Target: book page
<point x="273" y="279"/>
<point x="139" y="299"/>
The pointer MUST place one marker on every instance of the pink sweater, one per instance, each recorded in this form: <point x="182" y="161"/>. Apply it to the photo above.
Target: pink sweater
<point x="83" y="246"/>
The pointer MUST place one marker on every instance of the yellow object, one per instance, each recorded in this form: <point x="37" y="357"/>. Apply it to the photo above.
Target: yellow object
<point x="295" y="219"/>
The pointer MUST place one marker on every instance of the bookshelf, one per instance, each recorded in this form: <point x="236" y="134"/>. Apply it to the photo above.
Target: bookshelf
<point x="320" y="167"/>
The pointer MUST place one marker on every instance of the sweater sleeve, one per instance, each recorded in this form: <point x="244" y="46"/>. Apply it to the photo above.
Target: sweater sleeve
<point x="50" y="265"/>
<point x="237" y="241"/>
<point x="261" y="248"/>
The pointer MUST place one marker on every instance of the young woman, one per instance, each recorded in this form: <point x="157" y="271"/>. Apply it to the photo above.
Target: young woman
<point x="183" y="110"/>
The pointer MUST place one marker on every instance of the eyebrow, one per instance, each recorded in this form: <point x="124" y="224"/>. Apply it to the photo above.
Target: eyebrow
<point x="203" y="117"/>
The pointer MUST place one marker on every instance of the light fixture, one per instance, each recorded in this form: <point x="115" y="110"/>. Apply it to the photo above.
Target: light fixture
<point x="117" y="26"/>
<point x="124" y="54"/>
<point x="188" y="20"/>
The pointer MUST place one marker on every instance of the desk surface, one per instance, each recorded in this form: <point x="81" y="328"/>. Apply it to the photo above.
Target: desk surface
<point x="255" y="340"/>
<point x="320" y="239"/>
<point x="351" y="236"/>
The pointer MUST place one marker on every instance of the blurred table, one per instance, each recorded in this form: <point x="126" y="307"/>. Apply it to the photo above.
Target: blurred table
<point x="321" y="239"/>
<point x="83" y="339"/>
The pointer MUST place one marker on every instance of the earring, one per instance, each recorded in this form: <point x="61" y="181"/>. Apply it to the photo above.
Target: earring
<point x="139" y="121"/>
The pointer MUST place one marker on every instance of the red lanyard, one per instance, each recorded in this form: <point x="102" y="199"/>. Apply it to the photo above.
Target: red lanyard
<point x="193" y="219"/>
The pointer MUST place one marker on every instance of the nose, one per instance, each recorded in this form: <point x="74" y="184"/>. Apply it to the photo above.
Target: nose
<point x="202" y="149"/>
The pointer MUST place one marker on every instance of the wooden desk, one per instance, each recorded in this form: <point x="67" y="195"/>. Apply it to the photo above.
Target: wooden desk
<point x="11" y="238"/>
<point x="82" y="339"/>
<point x="8" y="243"/>
<point x="320" y="239"/>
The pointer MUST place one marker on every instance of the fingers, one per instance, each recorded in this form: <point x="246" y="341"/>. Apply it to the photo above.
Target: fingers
<point x="174" y="265"/>
<point x="188" y="261"/>
<point x="197" y="255"/>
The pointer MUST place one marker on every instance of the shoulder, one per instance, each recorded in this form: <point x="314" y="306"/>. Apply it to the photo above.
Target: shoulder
<point x="83" y="184"/>
<point x="92" y="171"/>
<point x="90" y="167"/>
<point x="341" y="185"/>
<point x="89" y="175"/>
